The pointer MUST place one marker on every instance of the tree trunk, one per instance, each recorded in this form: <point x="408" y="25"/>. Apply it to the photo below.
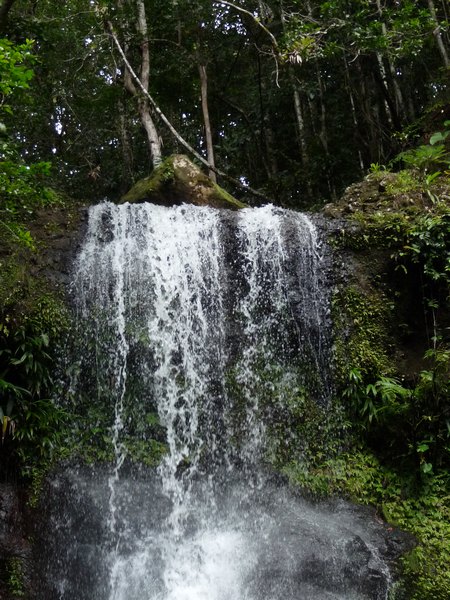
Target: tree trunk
<point x="127" y="152"/>
<point x="389" y="104"/>
<point x="267" y="136"/>
<point x="4" y="11"/>
<point x="206" y="119"/>
<point x="153" y="139"/>
<point x="301" y="137"/>
<point x="437" y="34"/>
<point x="323" y="133"/>
<point x="300" y="121"/>
<point x="354" y="114"/>
<point x="400" y="105"/>
<point x="300" y="124"/>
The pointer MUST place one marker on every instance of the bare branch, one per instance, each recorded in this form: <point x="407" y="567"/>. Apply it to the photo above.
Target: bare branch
<point x="256" y="21"/>
<point x="275" y="48"/>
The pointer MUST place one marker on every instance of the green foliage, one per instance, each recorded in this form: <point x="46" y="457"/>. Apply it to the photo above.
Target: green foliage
<point x="405" y="182"/>
<point x="405" y="420"/>
<point x="90" y="440"/>
<point x="33" y="427"/>
<point x="377" y="168"/>
<point x="23" y="190"/>
<point x="22" y="186"/>
<point x="299" y="425"/>
<point x="145" y="452"/>
<point x="408" y="425"/>
<point x="425" y="157"/>
<point x="15" y="577"/>
<point x="15" y="72"/>
<point x="85" y="123"/>
<point x="428" y="245"/>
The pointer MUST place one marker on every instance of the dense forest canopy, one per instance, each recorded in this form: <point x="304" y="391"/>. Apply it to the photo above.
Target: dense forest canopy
<point x="295" y="98"/>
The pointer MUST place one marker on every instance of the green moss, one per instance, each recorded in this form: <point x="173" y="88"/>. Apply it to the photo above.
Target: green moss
<point x="403" y="182"/>
<point x="178" y="180"/>
<point x="227" y="199"/>
<point x="145" y="452"/>
<point x="151" y="186"/>
<point x="361" y="330"/>
<point x="15" y="577"/>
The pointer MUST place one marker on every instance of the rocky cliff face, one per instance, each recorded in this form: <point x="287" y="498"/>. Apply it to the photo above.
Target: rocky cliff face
<point x="379" y="276"/>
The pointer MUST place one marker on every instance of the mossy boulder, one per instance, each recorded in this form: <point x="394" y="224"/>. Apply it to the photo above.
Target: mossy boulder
<point x="385" y="193"/>
<point x="176" y="181"/>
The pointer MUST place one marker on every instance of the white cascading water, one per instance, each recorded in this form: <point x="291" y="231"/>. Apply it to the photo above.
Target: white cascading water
<point x="202" y="316"/>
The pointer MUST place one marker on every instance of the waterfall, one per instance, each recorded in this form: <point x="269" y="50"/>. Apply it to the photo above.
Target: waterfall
<point x="192" y="326"/>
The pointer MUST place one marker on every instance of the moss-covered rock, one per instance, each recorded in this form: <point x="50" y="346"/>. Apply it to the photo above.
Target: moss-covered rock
<point x="176" y="181"/>
<point x="385" y="193"/>
<point x="389" y="232"/>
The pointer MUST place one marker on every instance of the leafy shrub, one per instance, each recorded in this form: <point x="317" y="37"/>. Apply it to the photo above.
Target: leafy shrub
<point x="31" y="425"/>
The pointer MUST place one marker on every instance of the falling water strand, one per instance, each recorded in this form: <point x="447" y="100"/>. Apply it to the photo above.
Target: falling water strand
<point x="193" y="323"/>
<point x="92" y="289"/>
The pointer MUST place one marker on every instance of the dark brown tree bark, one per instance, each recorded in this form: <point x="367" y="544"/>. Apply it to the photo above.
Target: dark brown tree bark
<point x="4" y="11"/>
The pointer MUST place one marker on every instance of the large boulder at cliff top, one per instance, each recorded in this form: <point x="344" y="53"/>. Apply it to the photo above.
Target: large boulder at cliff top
<point x="176" y="181"/>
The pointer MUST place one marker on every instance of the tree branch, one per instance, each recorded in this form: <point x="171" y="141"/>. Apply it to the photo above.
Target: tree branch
<point x="256" y="21"/>
<point x="274" y="43"/>
<point x="171" y="128"/>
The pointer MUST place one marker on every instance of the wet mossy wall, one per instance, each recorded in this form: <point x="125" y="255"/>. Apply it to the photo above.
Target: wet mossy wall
<point x="391" y="312"/>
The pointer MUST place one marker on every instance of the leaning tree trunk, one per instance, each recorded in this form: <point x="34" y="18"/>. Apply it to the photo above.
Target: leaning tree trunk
<point x="144" y="108"/>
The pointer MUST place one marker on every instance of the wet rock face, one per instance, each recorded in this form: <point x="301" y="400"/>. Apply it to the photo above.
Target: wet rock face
<point x="329" y="551"/>
<point x="299" y="550"/>
<point x="10" y="522"/>
<point x="13" y="541"/>
<point x="58" y="232"/>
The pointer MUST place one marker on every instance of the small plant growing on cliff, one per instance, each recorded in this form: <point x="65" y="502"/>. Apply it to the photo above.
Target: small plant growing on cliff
<point x="15" y="576"/>
<point x="412" y="423"/>
<point x="428" y="156"/>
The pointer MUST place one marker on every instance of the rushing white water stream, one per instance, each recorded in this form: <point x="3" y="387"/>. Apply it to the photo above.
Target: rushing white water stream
<point x="192" y="323"/>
